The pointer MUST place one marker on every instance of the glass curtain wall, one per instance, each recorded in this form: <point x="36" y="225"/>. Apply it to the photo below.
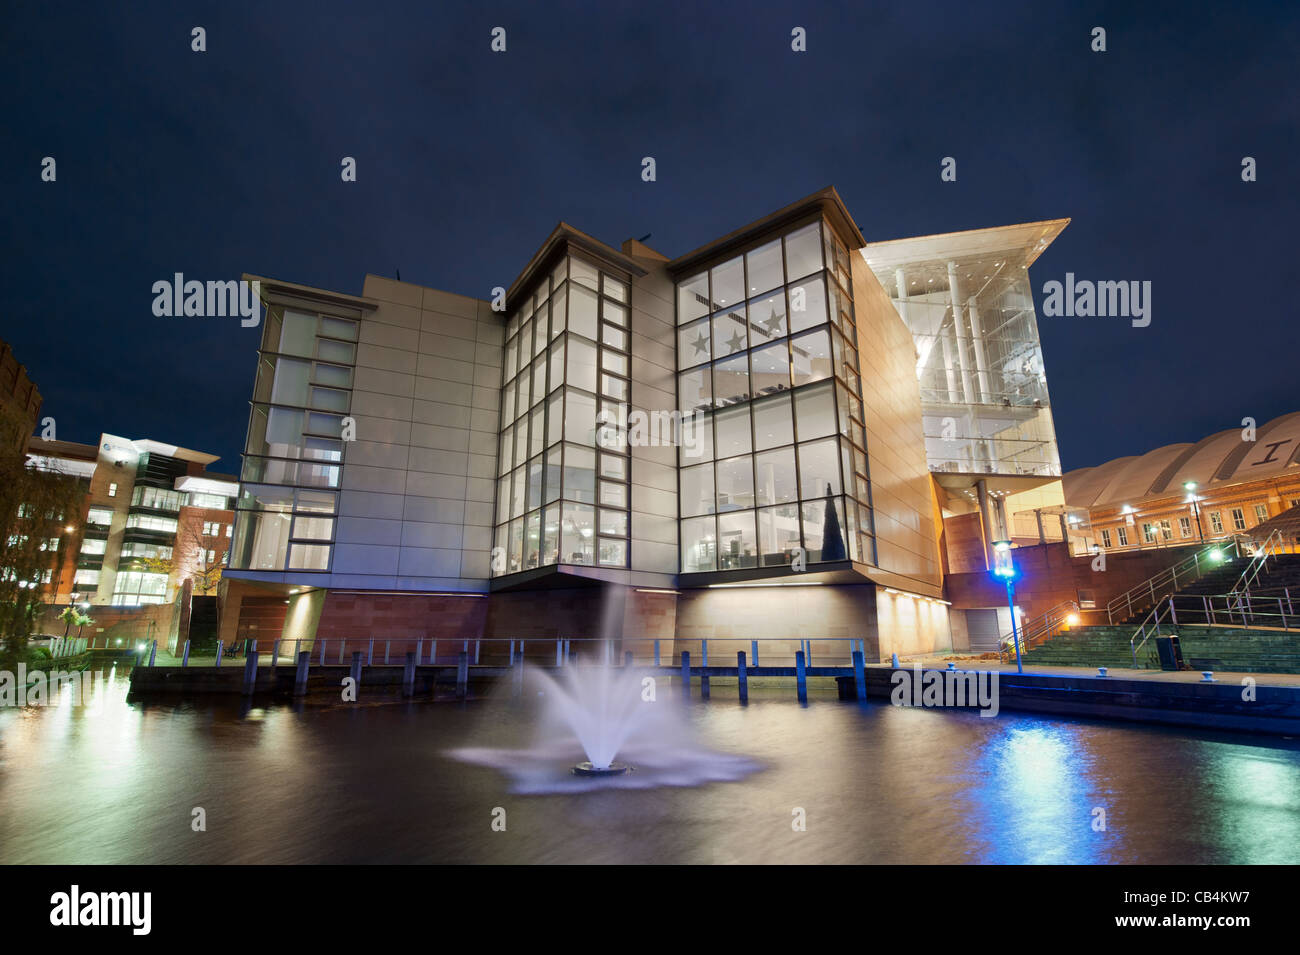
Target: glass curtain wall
<point x="288" y="492"/>
<point x="766" y="351"/>
<point x="983" y="387"/>
<point x="563" y="483"/>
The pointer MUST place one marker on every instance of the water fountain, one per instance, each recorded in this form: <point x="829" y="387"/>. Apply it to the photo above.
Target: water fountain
<point x="587" y="716"/>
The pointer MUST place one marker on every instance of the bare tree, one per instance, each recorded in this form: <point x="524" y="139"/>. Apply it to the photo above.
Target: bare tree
<point x="36" y="506"/>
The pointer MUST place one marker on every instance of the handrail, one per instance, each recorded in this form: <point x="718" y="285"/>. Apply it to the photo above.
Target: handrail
<point x="1045" y="625"/>
<point x="1258" y="561"/>
<point x="1250" y="609"/>
<point x="1190" y="569"/>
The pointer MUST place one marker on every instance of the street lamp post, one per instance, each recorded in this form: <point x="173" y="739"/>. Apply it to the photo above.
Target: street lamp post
<point x="1190" y="488"/>
<point x="1004" y="566"/>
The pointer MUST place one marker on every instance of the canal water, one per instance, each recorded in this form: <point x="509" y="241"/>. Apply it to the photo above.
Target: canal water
<point x="120" y="782"/>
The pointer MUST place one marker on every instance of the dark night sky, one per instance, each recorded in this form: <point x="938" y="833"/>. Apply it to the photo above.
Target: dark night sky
<point x="223" y="162"/>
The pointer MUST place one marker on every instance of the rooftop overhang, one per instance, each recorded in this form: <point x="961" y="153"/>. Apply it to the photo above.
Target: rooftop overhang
<point x="1024" y="242"/>
<point x="146" y="445"/>
<point x="826" y="202"/>
<point x="53" y="464"/>
<point x="277" y="292"/>
<point x="206" y="485"/>
<point x="563" y="238"/>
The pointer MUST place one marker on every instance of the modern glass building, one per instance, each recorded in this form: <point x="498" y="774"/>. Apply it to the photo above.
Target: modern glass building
<point x="732" y="442"/>
<point x="986" y="413"/>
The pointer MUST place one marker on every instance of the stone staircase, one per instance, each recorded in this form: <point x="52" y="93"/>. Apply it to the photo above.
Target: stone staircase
<point x="1204" y="648"/>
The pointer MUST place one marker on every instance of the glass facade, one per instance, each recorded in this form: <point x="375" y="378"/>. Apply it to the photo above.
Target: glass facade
<point x="562" y="468"/>
<point x="984" y="396"/>
<point x="767" y="353"/>
<point x="293" y="458"/>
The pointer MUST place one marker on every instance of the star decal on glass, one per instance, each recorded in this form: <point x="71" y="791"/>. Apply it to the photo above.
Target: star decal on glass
<point x="735" y="342"/>
<point x="701" y="344"/>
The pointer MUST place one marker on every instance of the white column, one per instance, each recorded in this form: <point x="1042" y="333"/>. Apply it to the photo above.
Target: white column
<point x="949" y="364"/>
<point x="977" y="341"/>
<point x="954" y="290"/>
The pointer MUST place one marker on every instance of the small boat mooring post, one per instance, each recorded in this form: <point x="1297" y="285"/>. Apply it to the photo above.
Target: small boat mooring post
<point x="462" y="675"/>
<point x="801" y="676"/>
<point x="686" y="674"/>
<point x="355" y="672"/>
<point x="250" y="669"/>
<point x="744" y="677"/>
<point x="517" y="676"/>
<point x="627" y="658"/>
<point x="408" y="675"/>
<point x="859" y="674"/>
<point x="153" y="652"/>
<point x="300" y="674"/>
<point x="185" y="657"/>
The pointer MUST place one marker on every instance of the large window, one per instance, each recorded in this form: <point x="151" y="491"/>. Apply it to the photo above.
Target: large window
<point x="157" y="498"/>
<point x="563" y="469"/>
<point x="766" y="345"/>
<point x="293" y="458"/>
<point x="133" y="588"/>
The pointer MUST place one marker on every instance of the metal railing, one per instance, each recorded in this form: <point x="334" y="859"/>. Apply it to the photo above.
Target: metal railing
<point x="1151" y="591"/>
<point x="1258" y="562"/>
<point x="1238" y="610"/>
<point x="1038" y="629"/>
<point x="504" y="651"/>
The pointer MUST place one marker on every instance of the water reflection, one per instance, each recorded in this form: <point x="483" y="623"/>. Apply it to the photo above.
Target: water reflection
<point x="371" y="782"/>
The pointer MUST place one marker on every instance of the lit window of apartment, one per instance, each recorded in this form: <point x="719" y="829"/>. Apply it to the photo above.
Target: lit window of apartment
<point x="1238" y="519"/>
<point x="229" y="528"/>
<point x="1185" y="526"/>
<point x="1121" y="535"/>
<point x="133" y="588"/>
<point x="209" y="500"/>
<point x="148" y="522"/>
<point x="112" y="490"/>
<point x="1166" y="532"/>
<point x="211" y="528"/>
<point x="1216" y="522"/>
<point x="212" y="557"/>
<point x="88" y="577"/>
<point x="1105" y="538"/>
<point x="1149" y="533"/>
<point x="1261" y="513"/>
<point x="92" y="546"/>
<point x="102" y="516"/>
<point x="138" y="549"/>
<point x="157" y="498"/>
